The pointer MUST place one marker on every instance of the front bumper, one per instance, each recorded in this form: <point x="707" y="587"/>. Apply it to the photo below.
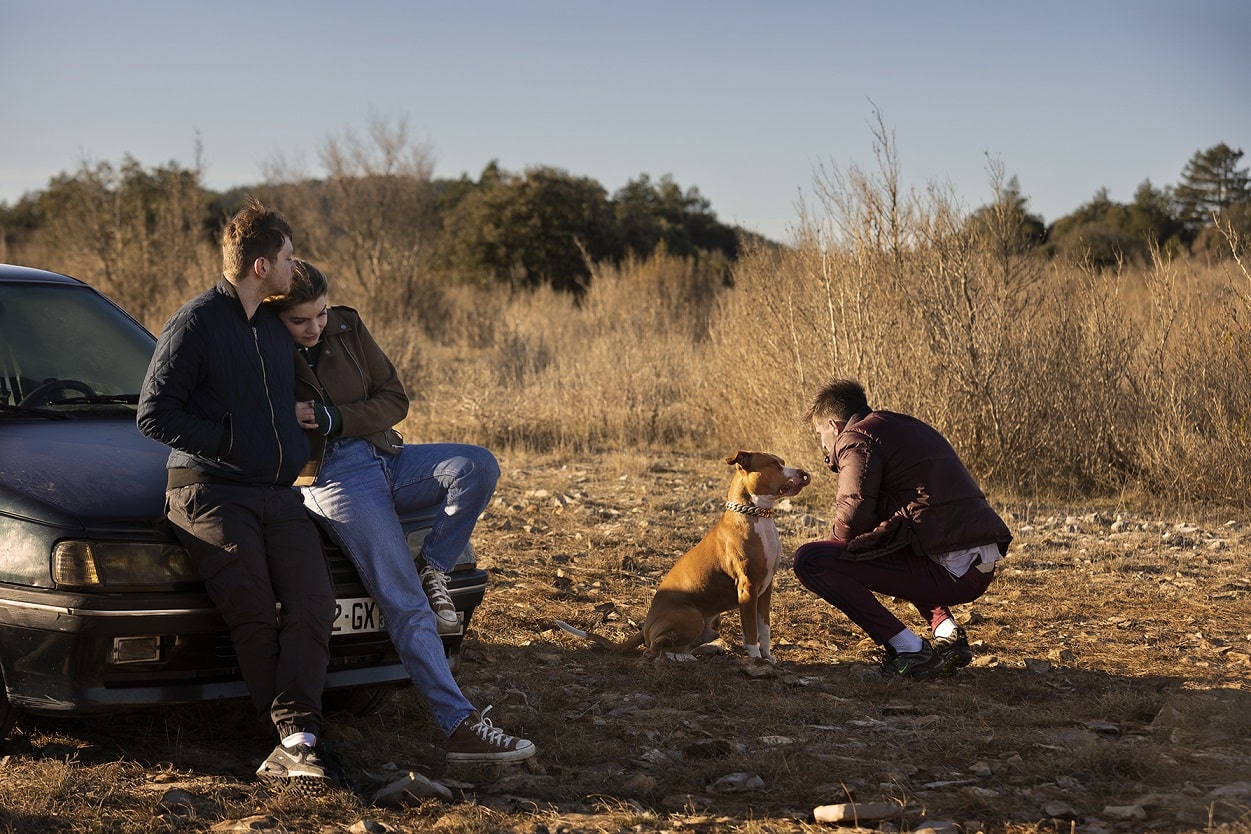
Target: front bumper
<point x="59" y="651"/>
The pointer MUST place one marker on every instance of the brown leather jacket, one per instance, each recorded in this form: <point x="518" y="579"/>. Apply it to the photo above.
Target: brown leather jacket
<point x="356" y="376"/>
<point x="902" y="485"/>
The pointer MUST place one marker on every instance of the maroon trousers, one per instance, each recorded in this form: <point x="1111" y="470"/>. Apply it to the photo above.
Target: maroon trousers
<point x="850" y="586"/>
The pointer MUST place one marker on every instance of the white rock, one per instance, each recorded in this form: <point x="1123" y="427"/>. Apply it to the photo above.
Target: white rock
<point x="937" y="827"/>
<point x="856" y="811"/>
<point x="369" y="827"/>
<point x="776" y="740"/>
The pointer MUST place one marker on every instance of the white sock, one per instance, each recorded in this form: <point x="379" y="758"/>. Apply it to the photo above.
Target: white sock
<point x="947" y="628"/>
<point x="300" y="738"/>
<point x="905" y="641"/>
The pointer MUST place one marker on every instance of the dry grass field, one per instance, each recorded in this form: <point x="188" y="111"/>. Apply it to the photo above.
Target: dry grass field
<point x="1109" y="693"/>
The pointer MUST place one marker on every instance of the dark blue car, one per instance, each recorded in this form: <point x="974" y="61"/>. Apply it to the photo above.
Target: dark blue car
<point x="100" y="609"/>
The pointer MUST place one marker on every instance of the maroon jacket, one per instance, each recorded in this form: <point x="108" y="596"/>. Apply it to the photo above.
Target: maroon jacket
<point x="901" y="485"/>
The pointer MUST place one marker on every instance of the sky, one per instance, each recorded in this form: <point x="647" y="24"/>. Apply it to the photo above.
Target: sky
<point x="752" y="103"/>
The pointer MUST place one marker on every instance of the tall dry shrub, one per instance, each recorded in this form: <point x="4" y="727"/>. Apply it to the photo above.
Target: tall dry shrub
<point x="1196" y="394"/>
<point x="370" y="222"/>
<point x="951" y="320"/>
<point x="618" y="368"/>
<point x="137" y="234"/>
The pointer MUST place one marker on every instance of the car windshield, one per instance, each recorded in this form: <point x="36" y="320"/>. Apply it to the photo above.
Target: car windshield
<point x="65" y="350"/>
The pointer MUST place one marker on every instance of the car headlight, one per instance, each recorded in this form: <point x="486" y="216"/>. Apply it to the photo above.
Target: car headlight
<point x="117" y="565"/>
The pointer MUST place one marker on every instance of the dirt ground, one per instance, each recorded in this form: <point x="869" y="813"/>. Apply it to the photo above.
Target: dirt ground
<point x="1109" y="693"/>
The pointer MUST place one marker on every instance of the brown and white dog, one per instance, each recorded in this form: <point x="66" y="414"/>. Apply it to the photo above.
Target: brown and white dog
<point x="733" y="565"/>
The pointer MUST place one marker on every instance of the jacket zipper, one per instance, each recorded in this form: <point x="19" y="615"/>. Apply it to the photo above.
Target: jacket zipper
<point x="273" y="418"/>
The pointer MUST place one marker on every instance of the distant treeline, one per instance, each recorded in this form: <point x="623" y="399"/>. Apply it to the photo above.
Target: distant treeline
<point x="543" y="226"/>
<point x="378" y="216"/>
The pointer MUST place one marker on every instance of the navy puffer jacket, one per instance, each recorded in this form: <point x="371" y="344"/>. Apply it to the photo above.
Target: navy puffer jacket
<point x="220" y="391"/>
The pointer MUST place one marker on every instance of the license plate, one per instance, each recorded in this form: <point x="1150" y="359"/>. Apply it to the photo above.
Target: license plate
<point x="357" y="616"/>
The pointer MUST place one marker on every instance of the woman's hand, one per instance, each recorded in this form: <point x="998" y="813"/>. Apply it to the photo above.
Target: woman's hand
<point x="305" y="415"/>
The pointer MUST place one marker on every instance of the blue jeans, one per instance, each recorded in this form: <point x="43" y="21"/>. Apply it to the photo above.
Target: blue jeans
<point x="360" y="492"/>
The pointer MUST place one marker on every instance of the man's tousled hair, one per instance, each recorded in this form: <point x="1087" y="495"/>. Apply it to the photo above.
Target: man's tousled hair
<point x="838" y="399"/>
<point x="254" y="232"/>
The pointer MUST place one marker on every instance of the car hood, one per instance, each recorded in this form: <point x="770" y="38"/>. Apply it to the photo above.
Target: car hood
<point x="89" y="473"/>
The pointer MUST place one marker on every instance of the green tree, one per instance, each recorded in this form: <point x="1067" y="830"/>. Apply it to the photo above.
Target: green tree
<point x="1094" y="233"/>
<point x="1211" y="183"/>
<point x="1153" y="218"/>
<point x="654" y="214"/>
<point x="545" y="226"/>
<point x="1103" y="232"/>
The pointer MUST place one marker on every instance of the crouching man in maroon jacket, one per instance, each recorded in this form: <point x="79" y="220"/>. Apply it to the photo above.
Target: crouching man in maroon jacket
<point x="909" y="522"/>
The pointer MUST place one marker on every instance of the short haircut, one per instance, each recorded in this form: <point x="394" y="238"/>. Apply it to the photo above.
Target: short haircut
<point x="254" y="232"/>
<point x="838" y="400"/>
<point x="307" y="283"/>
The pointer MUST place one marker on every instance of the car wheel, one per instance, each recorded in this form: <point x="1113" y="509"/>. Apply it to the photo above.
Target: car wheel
<point x="359" y="701"/>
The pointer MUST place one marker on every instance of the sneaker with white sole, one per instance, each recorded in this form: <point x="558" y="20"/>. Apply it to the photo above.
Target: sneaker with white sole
<point x="299" y="769"/>
<point x="434" y="582"/>
<point x="478" y="740"/>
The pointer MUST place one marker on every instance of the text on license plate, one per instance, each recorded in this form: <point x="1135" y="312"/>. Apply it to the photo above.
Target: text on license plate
<point x="357" y="616"/>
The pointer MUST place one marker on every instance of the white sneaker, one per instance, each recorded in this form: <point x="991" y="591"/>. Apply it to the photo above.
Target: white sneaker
<point x="434" y="581"/>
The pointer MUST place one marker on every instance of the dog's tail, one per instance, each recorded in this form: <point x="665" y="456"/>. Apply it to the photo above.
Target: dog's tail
<point x="629" y="645"/>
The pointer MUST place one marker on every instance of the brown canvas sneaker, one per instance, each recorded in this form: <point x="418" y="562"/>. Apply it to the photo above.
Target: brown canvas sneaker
<point x="434" y="581"/>
<point x="478" y="740"/>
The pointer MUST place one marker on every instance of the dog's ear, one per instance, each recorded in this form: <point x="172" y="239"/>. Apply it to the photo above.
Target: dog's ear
<point x="738" y="457"/>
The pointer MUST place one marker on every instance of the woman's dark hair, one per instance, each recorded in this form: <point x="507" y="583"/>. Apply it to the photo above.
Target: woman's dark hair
<point x="307" y="283"/>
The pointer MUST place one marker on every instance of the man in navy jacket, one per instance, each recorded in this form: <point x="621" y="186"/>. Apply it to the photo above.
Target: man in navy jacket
<point x="220" y="391"/>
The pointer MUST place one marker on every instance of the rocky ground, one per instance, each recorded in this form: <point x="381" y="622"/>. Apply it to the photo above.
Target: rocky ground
<point x="1109" y="693"/>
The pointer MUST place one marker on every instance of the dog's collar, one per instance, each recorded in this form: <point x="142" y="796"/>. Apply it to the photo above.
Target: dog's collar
<point x="749" y="509"/>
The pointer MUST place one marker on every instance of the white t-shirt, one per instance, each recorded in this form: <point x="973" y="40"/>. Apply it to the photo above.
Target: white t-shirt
<point x="958" y="562"/>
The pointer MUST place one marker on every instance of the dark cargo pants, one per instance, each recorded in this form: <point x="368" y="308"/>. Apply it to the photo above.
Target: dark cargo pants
<point x="850" y="586"/>
<point x="255" y="547"/>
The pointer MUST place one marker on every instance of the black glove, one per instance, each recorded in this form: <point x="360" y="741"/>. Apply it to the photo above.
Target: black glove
<point x="329" y="421"/>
